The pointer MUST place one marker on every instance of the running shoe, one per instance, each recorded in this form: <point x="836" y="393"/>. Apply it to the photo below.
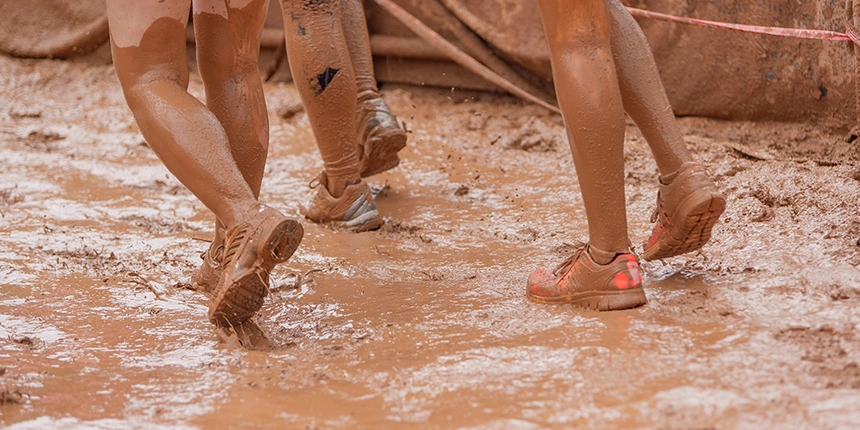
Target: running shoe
<point x="380" y="135"/>
<point x="354" y="211"/>
<point x="251" y="250"/>
<point x="687" y="210"/>
<point x="582" y="282"/>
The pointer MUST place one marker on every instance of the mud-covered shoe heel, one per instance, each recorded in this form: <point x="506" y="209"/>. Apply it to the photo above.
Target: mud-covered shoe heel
<point x="252" y="249"/>
<point x="284" y="240"/>
<point x="687" y="211"/>
<point x="381" y="137"/>
<point x="380" y="151"/>
<point x="354" y="211"/>
<point x="619" y="301"/>
<point x="245" y="297"/>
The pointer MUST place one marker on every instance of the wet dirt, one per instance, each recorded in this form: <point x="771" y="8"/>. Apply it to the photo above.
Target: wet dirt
<point x="424" y="323"/>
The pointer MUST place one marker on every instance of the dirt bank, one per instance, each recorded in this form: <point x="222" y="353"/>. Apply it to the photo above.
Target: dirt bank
<point x="424" y="323"/>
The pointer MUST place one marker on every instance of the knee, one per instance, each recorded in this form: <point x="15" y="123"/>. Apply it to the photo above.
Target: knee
<point x="224" y="68"/>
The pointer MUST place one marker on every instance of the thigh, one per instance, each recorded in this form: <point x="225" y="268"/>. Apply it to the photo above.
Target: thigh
<point x="148" y="40"/>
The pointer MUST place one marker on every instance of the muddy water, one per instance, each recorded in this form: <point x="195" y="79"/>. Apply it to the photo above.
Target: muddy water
<point x="424" y="323"/>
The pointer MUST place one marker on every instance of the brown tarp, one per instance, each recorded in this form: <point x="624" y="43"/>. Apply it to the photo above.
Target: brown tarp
<point x="707" y="72"/>
<point x="52" y="28"/>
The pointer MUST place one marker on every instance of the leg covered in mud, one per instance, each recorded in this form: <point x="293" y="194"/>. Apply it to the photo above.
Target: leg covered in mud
<point x="380" y="136"/>
<point x="148" y="45"/>
<point x="603" y="274"/>
<point x="228" y="48"/>
<point x="688" y="203"/>
<point x="324" y="76"/>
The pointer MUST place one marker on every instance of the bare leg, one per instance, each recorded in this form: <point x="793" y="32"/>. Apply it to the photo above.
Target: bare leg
<point x="324" y="77"/>
<point x="148" y="45"/>
<point x="604" y="275"/>
<point x="642" y="91"/>
<point x="591" y="104"/>
<point x="688" y="203"/>
<point x="380" y="135"/>
<point x="228" y="48"/>
<point x="358" y="44"/>
<point x="148" y="42"/>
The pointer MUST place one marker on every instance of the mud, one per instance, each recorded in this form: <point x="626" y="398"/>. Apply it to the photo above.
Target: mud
<point x="424" y="323"/>
<point x="52" y="28"/>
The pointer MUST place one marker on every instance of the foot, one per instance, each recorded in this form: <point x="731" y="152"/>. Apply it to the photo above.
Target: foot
<point x="206" y="277"/>
<point x="354" y="211"/>
<point x="687" y="210"/>
<point x="582" y="282"/>
<point x="381" y="136"/>
<point x="251" y="250"/>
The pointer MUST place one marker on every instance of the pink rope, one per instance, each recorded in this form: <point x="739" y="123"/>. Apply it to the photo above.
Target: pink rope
<point x="851" y="33"/>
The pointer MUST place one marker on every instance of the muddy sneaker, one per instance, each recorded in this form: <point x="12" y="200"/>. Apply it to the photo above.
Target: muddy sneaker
<point x="205" y="278"/>
<point x="251" y="249"/>
<point x="381" y="137"/>
<point x="582" y="282"/>
<point x="354" y="211"/>
<point x="687" y="210"/>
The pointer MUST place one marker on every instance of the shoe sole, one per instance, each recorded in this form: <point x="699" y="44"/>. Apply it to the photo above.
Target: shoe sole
<point x="383" y="149"/>
<point x="285" y="240"/>
<point x="245" y="295"/>
<point x="366" y="222"/>
<point x="599" y="300"/>
<point x="695" y="230"/>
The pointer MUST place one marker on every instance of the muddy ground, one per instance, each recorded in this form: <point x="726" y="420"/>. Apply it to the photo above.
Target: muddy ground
<point x="424" y="323"/>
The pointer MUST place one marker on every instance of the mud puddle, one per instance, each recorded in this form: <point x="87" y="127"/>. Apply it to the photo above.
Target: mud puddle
<point x="424" y="323"/>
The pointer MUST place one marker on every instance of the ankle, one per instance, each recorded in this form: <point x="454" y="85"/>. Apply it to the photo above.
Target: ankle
<point x="600" y="256"/>
<point x="336" y="185"/>
<point x="368" y="94"/>
<point x="668" y="178"/>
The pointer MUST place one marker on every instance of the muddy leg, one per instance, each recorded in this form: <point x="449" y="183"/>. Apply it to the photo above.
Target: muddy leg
<point x="588" y="94"/>
<point x="228" y="50"/>
<point x="603" y="275"/>
<point x="380" y="135"/>
<point x="688" y="202"/>
<point x="358" y="44"/>
<point x="324" y="77"/>
<point x="148" y="46"/>
<point x="642" y="91"/>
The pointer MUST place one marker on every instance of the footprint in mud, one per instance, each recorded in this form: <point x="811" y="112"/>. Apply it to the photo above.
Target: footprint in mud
<point x="823" y="348"/>
<point x="247" y="335"/>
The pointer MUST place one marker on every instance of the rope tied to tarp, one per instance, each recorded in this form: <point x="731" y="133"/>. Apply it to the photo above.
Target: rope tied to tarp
<point x="851" y="32"/>
<point x="440" y="43"/>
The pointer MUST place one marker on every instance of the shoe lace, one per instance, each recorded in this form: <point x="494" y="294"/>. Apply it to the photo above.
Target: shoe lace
<point x="567" y="264"/>
<point x="316" y="181"/>
<point x="656" y="214"/>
